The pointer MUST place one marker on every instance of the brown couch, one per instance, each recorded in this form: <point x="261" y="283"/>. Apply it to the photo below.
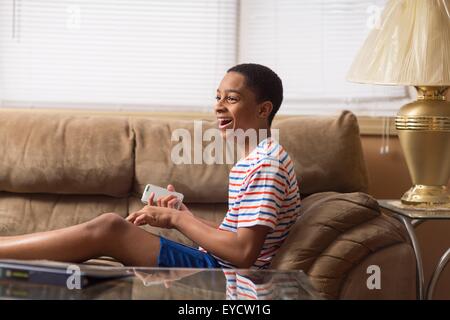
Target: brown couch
<point x="61" y="169"/>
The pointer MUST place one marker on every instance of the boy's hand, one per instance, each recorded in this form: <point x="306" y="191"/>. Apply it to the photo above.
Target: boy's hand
<point x="160" y="213"/>
<point x="170" y="201"/>
<point x="166" y="277"/>
<point x="154" y="216"/>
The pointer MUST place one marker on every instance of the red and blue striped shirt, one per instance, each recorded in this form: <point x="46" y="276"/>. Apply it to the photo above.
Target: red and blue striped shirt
<point x="263" y="190"/>
<point x="268" y="286"/>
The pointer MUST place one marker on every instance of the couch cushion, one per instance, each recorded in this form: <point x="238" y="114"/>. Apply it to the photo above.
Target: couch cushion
<point x="199" y="182"/>
<point x="27" y="213"/>
<point x="335" y="233"/>
<point x="326" y="151"/>
<point x="66" y="154"/>
<point x="81" y="154"/>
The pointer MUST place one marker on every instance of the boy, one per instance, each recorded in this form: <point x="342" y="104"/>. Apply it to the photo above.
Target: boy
<point x="263" y="201"/>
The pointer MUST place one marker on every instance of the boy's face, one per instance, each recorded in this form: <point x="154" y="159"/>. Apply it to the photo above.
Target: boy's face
<point x="236" y="105"/>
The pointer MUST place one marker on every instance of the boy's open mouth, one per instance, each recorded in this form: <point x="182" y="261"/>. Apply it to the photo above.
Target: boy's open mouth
<point x="224" y="122"/>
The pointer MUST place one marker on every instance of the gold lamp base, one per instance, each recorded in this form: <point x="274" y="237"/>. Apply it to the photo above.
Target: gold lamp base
<point x="423" y="128"/>
<point x="432" y="195"/>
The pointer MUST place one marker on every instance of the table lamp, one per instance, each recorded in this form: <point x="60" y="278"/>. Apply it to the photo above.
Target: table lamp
<point x="411" y="47"/>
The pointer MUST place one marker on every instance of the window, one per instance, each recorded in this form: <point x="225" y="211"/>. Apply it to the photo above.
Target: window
<point x="311" y="44"/>
<point x="116" y="54"/>
<point x="171" y="54"/>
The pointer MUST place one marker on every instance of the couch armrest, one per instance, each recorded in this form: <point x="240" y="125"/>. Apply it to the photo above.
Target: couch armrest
<point x="336" y="234"/>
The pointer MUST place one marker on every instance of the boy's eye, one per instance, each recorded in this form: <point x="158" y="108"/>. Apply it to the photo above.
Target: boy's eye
<point x="229" y="99"/>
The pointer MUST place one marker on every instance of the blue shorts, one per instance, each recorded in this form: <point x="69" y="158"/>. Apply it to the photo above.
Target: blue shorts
<point x="176" y="255"/>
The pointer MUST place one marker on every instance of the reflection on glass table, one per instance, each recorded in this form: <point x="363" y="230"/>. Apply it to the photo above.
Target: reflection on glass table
<point x="175" y="284"/>
<point x="254" y="285"/>
<point x="228" y="284"/>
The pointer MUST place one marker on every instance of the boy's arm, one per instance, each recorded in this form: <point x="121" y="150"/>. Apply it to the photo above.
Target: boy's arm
<point x="208" y="222"/>
<point x="240" y="248"/>
<point x="170" y="201"/>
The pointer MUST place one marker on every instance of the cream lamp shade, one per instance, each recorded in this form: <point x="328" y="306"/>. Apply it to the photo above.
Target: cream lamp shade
<point x="410" y="45"/>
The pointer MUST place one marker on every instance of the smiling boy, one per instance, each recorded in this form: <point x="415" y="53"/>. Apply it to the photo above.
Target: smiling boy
<point x="263" y="203"/>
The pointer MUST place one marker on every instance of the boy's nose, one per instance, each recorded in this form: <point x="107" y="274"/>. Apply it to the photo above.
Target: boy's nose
<point x="219" y="107"/>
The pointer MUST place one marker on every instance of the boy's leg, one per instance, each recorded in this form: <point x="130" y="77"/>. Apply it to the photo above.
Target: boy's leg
<point x="106" y="235"/>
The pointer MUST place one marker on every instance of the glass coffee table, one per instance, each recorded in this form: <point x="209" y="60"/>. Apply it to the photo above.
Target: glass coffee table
<point x="128" y="283"/>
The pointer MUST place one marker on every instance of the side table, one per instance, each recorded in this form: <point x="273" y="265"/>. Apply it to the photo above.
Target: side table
<point x="411" y="217"/>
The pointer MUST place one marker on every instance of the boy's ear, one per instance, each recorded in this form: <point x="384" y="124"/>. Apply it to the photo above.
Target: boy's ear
<point x="265" y="109"/>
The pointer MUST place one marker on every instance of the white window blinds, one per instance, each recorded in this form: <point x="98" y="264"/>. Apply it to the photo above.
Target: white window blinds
<point x="119" y="54"/>
<point x="311" y="44"/>
<point x="171" y="54"/>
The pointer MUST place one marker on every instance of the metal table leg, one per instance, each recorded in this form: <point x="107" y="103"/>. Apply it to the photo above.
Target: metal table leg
<point x="437" y="273"/>
<point x="409" y="225"/>
<point x="424" y="290"/>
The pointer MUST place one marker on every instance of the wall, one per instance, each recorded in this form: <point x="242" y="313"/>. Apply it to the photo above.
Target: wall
<point x="389" y="178"/>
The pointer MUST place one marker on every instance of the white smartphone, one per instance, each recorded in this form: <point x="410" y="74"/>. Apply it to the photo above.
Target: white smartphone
<point x="160" y="192"/>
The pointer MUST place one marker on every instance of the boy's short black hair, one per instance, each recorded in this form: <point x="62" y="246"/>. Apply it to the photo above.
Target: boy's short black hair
<point x="264" y="82"/>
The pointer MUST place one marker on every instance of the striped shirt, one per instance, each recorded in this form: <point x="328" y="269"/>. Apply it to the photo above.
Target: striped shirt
<point x="261" y="286"/>
<point x="240" y="287"/>
<point x="263" y="191"/>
